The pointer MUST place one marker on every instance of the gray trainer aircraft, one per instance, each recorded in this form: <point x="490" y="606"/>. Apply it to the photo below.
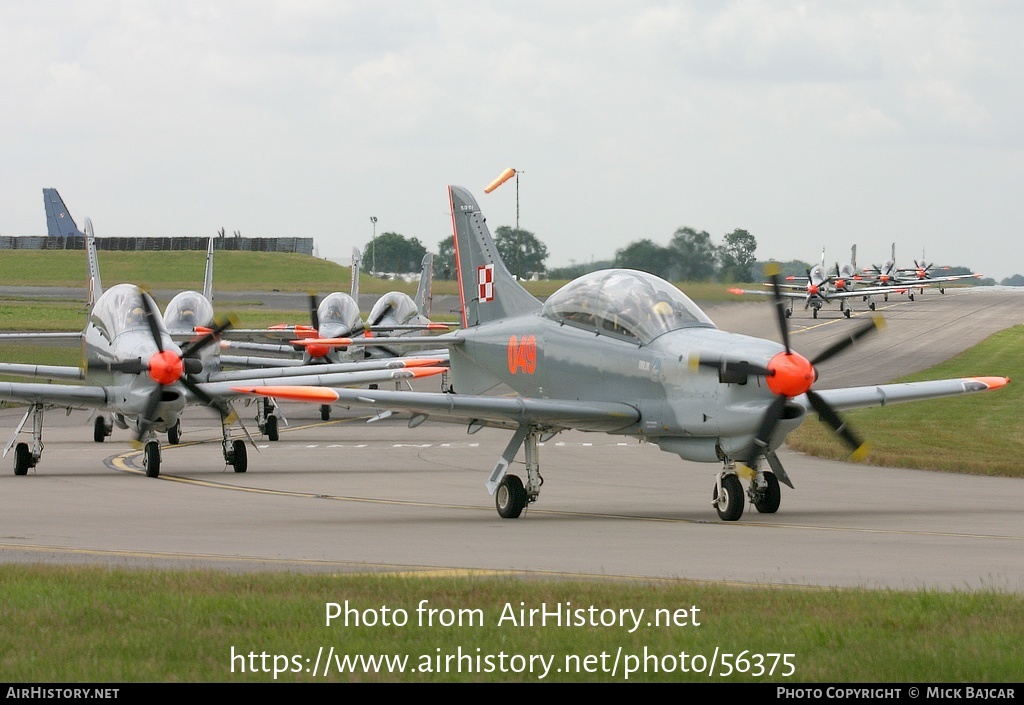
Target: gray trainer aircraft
<point x="135" y="372"/>
<point x="623" y="352"/>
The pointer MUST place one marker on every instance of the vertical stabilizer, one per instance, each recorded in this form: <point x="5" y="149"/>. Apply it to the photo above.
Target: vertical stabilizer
<point x="95" y="285"/>
<point x="853" y="257"/>
<point x="208" y="278"/>
<point x="356" y="261"/>
<point x="59" y="222"/>
<point x="487" y="290"/>
<point x="424" y="294"/>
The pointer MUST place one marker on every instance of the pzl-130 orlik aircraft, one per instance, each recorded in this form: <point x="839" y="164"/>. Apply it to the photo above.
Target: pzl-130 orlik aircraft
<point x="136" y="373"/>
<point x="623" y="352"/>
<point x="903" y="280"/>
<point x="819" y="288"/>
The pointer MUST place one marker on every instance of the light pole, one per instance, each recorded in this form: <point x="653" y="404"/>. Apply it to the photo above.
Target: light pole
<point x="373" y="245"/>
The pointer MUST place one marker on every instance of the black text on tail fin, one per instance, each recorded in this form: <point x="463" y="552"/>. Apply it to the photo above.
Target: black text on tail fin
<point x="487" y="290"/>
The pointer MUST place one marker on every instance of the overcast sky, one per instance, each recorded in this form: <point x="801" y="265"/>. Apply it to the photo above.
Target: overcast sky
<point x="810" y="124"/>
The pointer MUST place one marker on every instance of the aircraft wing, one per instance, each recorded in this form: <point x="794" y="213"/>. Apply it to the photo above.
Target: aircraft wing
<point x="915" y="281"/>
<point x="582" y="415"/>
<point x="285" y="378"/>
<point x="380" y="369"/>
<point x="44" y="371"/>
<point x="827" y="295"/>
<point x="32" y="337"/>
<point x="882" y="394"/>
<point x="70" y="395"/>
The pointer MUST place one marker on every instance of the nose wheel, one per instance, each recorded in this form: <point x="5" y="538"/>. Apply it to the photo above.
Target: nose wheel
<point x="727" y="498"/>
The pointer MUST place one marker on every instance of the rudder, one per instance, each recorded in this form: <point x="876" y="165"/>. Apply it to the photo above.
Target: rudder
<point x="487" y="290"/>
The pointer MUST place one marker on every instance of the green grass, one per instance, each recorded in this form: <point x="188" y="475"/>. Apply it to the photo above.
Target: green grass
<point x="978" y="434"/>
<point x="73" y="624"/>
<point x="238" y="271"/>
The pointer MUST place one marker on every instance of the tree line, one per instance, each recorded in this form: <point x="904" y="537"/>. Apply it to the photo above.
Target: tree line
<point x="689" y="256"/>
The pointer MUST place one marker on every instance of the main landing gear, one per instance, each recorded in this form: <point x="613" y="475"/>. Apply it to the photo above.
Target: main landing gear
<point x="267" y="414"/>
<point x="511" y="495"/>
<point x="27" y="456"/>
<point x="234" y="450"/>
<point x="101" y="429"/>
<point x="764" y="491"/>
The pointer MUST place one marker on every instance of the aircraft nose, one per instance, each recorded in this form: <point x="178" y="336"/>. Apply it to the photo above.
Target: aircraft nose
<point x="165" y="367"/>
<point x="791" y="374"/>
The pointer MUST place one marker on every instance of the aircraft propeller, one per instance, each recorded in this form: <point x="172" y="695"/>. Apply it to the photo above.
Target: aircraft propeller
<point x="789" y="374"/>
<point x="166" y="367"/>
<point x="314" y="317"/>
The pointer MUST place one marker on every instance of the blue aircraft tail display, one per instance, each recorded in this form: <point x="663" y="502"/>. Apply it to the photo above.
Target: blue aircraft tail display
<point x="59" y="222"/>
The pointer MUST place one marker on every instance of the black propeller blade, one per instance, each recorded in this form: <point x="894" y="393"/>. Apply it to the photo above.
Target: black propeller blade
<point x="314" y="317"/>
<point x="875" y="323"/>
<point x="829" y="416"/>
<point x="773" y="414"/>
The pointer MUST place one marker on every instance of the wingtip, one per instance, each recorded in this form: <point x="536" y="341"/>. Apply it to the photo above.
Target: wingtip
<point x="994" y="382"/>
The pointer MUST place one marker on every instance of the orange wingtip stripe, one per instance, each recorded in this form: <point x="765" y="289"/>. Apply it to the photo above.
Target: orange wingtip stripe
<point x="317" y="394"/>
<point x="993" y="382"/>
<point x="735" y="291"/>
<point x="427" y="371"/>
<point x="421" y="362"/>
<point x="438" y="326"/>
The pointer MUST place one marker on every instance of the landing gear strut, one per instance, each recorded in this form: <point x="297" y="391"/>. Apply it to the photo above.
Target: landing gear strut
<point x="234" y="451"/>
<point x="764" y="490"/>
<point x="26" y="456"/>
<point x="266" y="419"/>
<point x="511" y="495"/>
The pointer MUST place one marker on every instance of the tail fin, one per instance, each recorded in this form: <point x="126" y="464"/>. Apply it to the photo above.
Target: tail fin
<point x="487" y="290"/>
<point x="95" y="285"/>
<point x="59" y="222"/>
<point x="424" y="294"/>
<point x="356" y="261"/>
<point x="853" y="257"/>
<point x="208" y="278"/>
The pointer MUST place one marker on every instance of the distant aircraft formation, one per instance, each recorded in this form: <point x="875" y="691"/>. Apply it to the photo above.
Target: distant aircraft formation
<point x="844" y="282"/>
<point x="615" y="351"/>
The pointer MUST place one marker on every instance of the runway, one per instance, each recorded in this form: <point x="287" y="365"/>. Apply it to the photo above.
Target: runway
<point x="347" y="496"/>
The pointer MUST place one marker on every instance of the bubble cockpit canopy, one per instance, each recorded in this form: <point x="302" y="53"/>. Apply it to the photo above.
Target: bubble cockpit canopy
<point x="396" y="304"/>
<point x="626" y="303"/>
<point x="339" y="312"/>
<point x="120" y="309"/>
<point x="188" y="310"/>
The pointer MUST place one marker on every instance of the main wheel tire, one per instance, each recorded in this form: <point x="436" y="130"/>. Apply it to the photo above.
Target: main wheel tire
<point x="815" y="313"/>
<point x="99" y="429"/>
<point x="325" y="412"/>
<point x="510" y="499"/>
<point x="239" y="459"/>
<point x="846" y="313"/>
<point x="872" y="305"/>
<point x="769" y="499"/>
<point x="22" y="459"/>
<point x="152" y="459"/>
<point x="788" y="313"/>
<point x="730" y="504"/>
<point x="174" y="433"/>
<point x="271" y="428"/>
<point x="911" y="297"/>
